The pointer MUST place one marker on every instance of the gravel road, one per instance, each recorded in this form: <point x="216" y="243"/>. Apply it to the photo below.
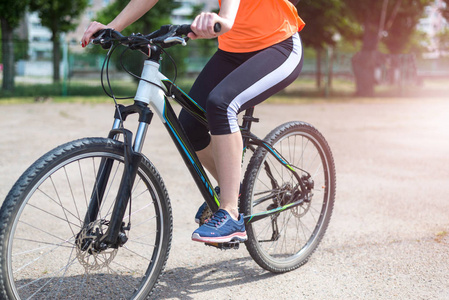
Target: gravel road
<point x="389" y="234"/>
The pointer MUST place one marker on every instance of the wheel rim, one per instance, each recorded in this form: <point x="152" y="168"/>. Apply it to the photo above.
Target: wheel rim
<point x="42" y="251"/>
<point x="299" y="227"/>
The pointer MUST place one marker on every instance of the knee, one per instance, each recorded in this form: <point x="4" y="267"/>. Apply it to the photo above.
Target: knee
<point x="215" y="105"/>
<point x="219" y="107"/>
<point x="221" y="114"/>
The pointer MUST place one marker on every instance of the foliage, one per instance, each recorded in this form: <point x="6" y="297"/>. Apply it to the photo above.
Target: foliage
<point x="205" y="47"/>
<point x="11" y="12"/>
<point x="399" y="36"/>
<point x="324" y="19"/>
<point x="20" y="48"/>
<point x="59" y="16"/>
<point x="198" y="52"/>
<point x="443" y="40"/>
<point x="417" y="43"/>
<point x="394" y="20"/>
<point x="159" y="15"/>
<point x="445" y="11"/>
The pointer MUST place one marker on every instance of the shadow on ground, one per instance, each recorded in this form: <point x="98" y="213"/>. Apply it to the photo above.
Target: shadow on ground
<point x="186" y="282"/>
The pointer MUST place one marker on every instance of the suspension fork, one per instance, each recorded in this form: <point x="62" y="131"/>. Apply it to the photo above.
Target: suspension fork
<point x="133" y="158"/>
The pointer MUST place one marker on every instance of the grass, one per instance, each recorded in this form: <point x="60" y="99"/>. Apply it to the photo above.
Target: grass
<point x="58" y="99"/>
<point x="73" y="88"/>
<point x="302" y="90"/>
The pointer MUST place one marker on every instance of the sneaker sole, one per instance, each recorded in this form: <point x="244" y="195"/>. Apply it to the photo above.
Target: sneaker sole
<point x="235" y="237"/>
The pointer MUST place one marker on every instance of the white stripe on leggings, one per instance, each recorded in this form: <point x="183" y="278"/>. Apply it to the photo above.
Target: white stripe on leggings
<point x="265" y="83"/>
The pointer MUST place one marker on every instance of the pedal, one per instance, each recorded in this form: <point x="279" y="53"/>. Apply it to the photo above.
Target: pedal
<point x="224" y="246"/>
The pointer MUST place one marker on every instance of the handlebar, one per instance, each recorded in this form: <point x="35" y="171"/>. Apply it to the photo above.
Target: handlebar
<point x="166" y="36"/>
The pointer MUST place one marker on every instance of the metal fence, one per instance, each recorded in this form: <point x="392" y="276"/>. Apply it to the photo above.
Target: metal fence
<point x="34" y="62"/>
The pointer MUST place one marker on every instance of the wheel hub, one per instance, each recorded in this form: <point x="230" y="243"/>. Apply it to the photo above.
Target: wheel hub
<point x="90" y="253"/>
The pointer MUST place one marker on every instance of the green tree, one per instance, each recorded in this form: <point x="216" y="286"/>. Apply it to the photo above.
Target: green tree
<point x="371" y="16"/>
<point x="199" y="51"/>
<point x="378" y="18"/>
<point x="59" y="16"/>
<point x="11" y="12"/>
<point x="403" y="27"/>
<point x="324" y="20"/>
<point x="159" y="15"/>
<point x="443" y="37"/>
<point x="445" y="10"/>
<point x="20" y="48"/>
<point x="443" y="40"/>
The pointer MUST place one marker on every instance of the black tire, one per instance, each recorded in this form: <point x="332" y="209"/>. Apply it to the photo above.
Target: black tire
<point x="300" y="229"/>
<point x="44" y="212"/>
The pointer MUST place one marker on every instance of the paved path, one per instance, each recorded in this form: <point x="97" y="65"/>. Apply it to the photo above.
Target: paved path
<point x="389" y="235"/>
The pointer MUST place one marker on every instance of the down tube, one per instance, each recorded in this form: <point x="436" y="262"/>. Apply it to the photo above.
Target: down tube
<point x="189" y="156"/>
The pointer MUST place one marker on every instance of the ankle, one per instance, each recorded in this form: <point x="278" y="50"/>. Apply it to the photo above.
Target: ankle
<point x="233" y="212"/>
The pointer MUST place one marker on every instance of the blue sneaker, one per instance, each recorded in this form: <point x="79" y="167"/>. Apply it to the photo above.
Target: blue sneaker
<point x="221" y="228"/>
<point x="200" y="212"/>
<point x="204" y="211"/>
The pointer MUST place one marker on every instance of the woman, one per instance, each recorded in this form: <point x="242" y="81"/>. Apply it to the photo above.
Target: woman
<point x="259" y="54"/>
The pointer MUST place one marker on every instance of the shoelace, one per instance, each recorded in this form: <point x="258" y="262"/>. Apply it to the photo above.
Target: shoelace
<point x="216" y="219"/>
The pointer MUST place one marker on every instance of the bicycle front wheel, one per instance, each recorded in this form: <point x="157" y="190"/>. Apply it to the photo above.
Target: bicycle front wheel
<point x="284" y="241"/>
<point x="45" y="252"/>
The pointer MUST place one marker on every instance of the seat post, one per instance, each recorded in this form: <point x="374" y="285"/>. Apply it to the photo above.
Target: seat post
<point x="248" y="119"/>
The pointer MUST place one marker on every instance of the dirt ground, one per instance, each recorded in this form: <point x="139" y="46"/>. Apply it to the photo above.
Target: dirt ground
<point x="389" y="234"/>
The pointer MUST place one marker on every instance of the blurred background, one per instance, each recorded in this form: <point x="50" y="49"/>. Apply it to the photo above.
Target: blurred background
<point x="353" y="48"/>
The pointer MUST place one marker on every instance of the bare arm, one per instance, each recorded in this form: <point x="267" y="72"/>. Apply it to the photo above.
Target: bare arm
<point x="131" y="13"/>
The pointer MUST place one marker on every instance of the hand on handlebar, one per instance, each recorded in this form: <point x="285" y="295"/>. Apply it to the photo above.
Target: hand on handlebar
<point x="165" y="37"/>
<point x="205" y="26"/>
<point x="93" y="28"/>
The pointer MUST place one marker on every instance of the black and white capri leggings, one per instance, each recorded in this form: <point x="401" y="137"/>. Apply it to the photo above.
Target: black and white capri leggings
<point x="233" y="82"/>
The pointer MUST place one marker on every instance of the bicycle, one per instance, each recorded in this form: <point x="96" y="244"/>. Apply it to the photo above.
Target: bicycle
<point x="65" y="226"/>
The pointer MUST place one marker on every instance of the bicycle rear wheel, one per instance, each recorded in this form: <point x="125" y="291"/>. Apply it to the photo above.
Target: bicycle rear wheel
<point x="41" y="226"/>
<point x="284" y="241"/>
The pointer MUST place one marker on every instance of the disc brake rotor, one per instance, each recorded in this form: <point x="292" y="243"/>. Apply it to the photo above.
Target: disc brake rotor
<point x="89" y="257"/>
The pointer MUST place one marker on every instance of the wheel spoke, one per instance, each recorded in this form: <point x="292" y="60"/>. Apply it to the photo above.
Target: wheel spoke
<point x="46" y="255"/>
<point x="287" y="243"/>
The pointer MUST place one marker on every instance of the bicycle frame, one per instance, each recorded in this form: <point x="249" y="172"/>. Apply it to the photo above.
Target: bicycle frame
<point x="155" y="89"/>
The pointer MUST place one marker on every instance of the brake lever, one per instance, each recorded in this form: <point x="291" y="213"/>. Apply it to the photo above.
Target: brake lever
<point x="175" y="39"/>
<point x="103" y="38"/>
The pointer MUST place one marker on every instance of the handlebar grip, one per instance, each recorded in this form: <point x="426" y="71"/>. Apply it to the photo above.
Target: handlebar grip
<point x="184" y="29"/>
<point x="105" y="37"/>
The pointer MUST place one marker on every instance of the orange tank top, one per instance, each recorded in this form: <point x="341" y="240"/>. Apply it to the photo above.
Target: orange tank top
<point x="260" y="24"/>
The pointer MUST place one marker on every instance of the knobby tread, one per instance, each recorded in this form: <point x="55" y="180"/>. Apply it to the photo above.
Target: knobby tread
<point x="10" y="205"/>
<point x="250" y="177"/>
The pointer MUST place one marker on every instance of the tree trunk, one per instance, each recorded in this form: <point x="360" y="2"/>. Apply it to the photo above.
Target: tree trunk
<point x="363" y="65"/>
<point x="330" y="74"/>
<point x="56" y="57"/>
<point x="364" y="62"/>
<point x="8" y="56"/>
<point x="319" y="52"/>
